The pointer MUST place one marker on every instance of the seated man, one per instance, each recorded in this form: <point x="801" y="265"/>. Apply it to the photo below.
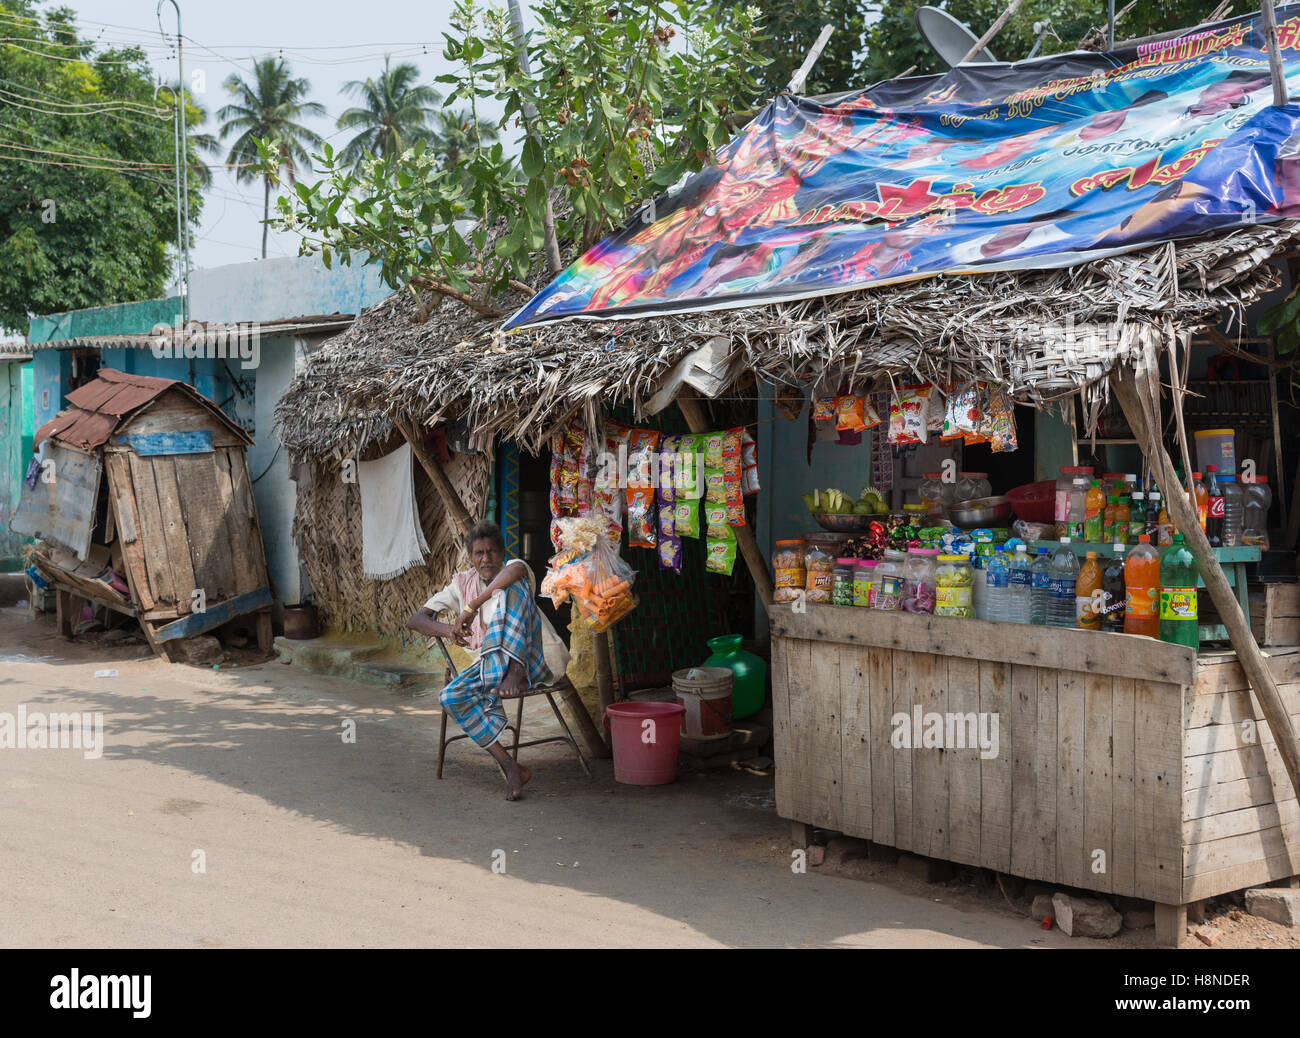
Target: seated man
<point x="499" y="622"/>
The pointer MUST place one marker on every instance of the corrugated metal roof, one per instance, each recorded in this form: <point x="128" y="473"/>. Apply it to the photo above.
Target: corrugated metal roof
<point x="99" y="407"/>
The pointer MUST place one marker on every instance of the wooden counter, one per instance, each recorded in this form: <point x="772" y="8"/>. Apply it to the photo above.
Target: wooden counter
<point x="1124" y="765"/>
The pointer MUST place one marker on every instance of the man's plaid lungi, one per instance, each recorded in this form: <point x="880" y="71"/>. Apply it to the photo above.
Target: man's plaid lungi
<point x="514" y="633"/>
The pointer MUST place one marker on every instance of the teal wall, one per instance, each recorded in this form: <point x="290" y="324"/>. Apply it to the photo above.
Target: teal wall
<point x="15" y="450"/>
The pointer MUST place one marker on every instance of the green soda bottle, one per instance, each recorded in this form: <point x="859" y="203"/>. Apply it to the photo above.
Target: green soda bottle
<point x="1178" y="577"/>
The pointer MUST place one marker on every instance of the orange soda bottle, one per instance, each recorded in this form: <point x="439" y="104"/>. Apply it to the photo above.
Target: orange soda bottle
<point x="1199" y="498"/>
<point x="1142" y="589"/>
<point x="1087" y="604"/>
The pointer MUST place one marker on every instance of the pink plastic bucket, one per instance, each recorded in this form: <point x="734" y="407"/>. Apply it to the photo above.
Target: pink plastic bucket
<point x="645" y="738"/>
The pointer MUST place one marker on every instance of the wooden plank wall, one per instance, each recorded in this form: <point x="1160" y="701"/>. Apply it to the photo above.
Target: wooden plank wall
<point x="1086" y="787"/>
<point x="193" y="525"/>
<point x="1240" y="819"/>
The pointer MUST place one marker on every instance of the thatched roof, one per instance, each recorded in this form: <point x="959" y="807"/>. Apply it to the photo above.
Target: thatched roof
<point x="1043" y="334"/>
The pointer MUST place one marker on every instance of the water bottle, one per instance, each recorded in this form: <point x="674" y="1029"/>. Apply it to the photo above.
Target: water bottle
<point x="1021" y="586"/>
<point x="1233" y="510"/>
<point x="1040" y="578"/>
<point x="999" y="585"/>
<point x="1065" y="573"/>
<point x="1254" y="525"/>
<point x="979" y="591"/>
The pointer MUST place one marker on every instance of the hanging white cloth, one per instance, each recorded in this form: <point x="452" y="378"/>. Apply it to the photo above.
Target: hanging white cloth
<point x="391" y="538"/>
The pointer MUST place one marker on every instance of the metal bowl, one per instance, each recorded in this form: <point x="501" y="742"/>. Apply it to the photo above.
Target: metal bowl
<point x="979" y="511"/>
<point x="845" y="523"/>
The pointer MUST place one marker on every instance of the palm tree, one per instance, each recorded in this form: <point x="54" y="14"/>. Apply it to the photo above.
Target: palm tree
<point x="455" y="134"/>
<point x="268" y="108"/>
<point x="394" y="113"/>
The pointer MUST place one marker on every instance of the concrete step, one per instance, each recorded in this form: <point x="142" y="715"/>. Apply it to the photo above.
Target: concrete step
<point x="357" y="660"/>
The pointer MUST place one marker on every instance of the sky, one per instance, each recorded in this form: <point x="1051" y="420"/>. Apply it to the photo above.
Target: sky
<point x="327" y="41"/>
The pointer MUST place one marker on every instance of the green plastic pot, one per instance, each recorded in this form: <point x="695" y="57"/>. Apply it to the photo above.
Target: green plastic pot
<point x="749" y="674"/>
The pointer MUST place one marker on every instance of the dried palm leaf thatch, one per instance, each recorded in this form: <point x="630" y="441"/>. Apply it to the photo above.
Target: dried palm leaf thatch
<point x="1042" y="334"/>
<point x="327" y="524"/>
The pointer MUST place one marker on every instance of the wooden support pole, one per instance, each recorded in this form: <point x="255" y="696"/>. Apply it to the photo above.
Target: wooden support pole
<point x="695" y="420"/>
<point x="433" y="469"/>
<point x="992" y="30"/>
<point x="604" y="679"/>
<point x="801" y="74"/>
<point x="1269" y="21"/>
<point x="1129" y="387"/>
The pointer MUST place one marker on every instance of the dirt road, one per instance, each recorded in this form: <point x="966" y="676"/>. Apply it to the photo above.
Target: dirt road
<point x="307" y="840"/>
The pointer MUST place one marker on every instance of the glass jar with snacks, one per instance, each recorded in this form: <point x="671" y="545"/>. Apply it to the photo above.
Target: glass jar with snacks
<point x="889" y="596"/>
<point x="954" y="582"/>
<point x="973" y="485"/>
<point x="864" y="582"/>
<point x="819" y="565"/>
<point x="932" y="493"/>
<point x="918" y="591"/>
<point x="842" y="581"/>
<point x="787" y="561"/>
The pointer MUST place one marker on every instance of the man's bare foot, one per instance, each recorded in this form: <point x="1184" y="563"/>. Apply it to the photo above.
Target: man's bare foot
<point x="516" y="778"/>
<point x="514" y="680"/>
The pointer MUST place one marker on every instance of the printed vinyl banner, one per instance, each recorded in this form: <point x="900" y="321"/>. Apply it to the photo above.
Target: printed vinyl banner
<point x="1045" y="163"/>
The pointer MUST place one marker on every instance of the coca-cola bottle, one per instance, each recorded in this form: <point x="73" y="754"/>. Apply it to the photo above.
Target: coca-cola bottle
<point x="1214" y="510"/>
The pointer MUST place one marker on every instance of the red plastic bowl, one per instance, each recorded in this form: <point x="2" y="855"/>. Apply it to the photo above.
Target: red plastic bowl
<point x="1035" y="502"/>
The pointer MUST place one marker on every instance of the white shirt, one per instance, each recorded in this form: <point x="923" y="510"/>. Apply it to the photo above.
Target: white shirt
<point x="553" y="648"/>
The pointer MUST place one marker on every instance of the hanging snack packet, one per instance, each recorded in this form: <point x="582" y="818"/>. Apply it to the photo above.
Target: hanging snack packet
<point x="850" y="413"/>
<point x="962" y="413"/>
<point x="824" y="408"/>
<point x="998" y="425"/>
<point x="686" y="518"/>
<point x="641" y="518"/>
<point x="670" y="553"/>
<point x="715" y="485"/>
<point x="713" y="445"/>
<point x="720" y="553"/>
<point x="607" y="494"/>
<point x="716" y="517"/>
<point x="667" y="520"/>
<point x="909" y="416"/>
<point x="731" y="464"/>
<point x="748" y="464"/>
<point x="668" y="461"/>
<point x="688" y="469"/>
<point x="935" y="416"/>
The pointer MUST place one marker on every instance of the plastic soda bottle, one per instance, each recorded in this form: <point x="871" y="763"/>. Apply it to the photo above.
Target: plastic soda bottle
<point x="1137" y="519"/>
<point x="1214" y="516"/>
<point x="1077" y="509"/>
<point x="1112" y="586"/>
<point x="1153" y="517"/>
<point x="1200" y="499"/>
<point x="1108" y="520"/>
<point x="1123" y="515"/>
<point x="1141" y="589"/>
<point x="1258" y="497"/>
<point x="1061" y="610"/>
<point x="1094" y="513"/>
<point x="1178" y="577"/>
<point x="1164" y="528"/>
<point x="1040" y="582"/>
<point x="1087" y="595"/>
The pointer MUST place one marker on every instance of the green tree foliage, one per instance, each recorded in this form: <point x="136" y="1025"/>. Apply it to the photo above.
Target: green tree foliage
<point x="894" y="44"/>
<point x="620" y="112"/>
<point x="394" y="113"/>
<point x="268" y="107"/>
<point x="791" y="28"/>
<point x="87" y="195"/>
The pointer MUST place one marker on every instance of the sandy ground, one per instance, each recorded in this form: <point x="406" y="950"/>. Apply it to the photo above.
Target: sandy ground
<point x="307" y="840"/>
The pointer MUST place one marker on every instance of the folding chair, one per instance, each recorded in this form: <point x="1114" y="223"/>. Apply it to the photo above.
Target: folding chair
<point x="563" y="687"/>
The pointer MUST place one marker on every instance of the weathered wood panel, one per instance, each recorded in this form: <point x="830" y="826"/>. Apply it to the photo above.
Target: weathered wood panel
<point x="855" y="740"/>
<point x="963" y="761"/>
<point x="173" y="530"/>
<point x="61" y="506"/>
<point x="1155" y="775"/>
<point x="207" y="531"/>
<point x="995" y="771"/>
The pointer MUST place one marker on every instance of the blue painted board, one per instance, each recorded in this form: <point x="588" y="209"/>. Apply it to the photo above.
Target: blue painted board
<point x="214" y="616"/>
<point x="198" y="441"/>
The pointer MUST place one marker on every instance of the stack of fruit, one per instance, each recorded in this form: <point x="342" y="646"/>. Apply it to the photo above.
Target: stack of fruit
<point x="835" y="502"/>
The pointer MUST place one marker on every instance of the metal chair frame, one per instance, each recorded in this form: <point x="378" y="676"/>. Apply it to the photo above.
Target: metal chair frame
<point x="514" y="748"/>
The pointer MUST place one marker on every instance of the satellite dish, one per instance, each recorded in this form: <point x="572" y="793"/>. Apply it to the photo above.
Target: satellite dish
<point x="949" y="38"/>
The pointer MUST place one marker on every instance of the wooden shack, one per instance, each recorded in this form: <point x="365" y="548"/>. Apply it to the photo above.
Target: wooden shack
<point x="145" y="482"/>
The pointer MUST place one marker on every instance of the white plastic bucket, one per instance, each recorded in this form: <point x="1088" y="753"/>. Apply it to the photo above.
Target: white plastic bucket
<point x="1215" y="447"/>
<point x="705" y="693"/>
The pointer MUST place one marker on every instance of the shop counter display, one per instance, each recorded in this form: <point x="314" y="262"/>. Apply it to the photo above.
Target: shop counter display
<point x="1110" y="762"/>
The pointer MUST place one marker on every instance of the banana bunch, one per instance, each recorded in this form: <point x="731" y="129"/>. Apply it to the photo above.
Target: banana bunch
<point x="835" y="502"/>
